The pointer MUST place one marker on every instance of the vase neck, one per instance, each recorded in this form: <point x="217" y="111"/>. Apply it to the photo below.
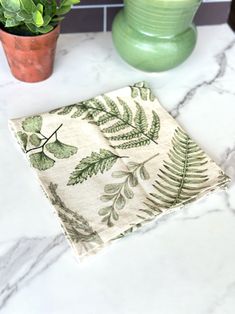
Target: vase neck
<point x="160" y="17"/>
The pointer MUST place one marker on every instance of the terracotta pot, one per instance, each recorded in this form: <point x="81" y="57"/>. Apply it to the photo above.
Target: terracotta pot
<point x="31" y="58"/>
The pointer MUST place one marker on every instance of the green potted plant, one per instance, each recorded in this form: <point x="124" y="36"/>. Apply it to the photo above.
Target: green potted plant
<point x="29" y="30"/>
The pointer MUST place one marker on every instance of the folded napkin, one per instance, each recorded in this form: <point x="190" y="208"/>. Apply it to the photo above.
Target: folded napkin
<point x="112" y="163"/>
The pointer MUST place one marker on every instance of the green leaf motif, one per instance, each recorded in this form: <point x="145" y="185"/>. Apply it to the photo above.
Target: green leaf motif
<point x="43" y="144"/>
<point x="34" y="140"/>
<point x="144" y="173"/>
<point x="61" y="150"/>
<point x="130" y="230"/>
<point x="32" y="124"/>
<point x="127" y="113"/>
<point x="80" y="109"/>
<point x="119" y="193"/>
<point x="112" y="188"/>
<point x="155" y="126"/>
<point x="41" y="161"/>
<point x="91" y="165"/>
<point x="140" y="119"/>
<point x="182" y="176"/>
<point x="66" y="110"/>
<point x="223" y="179"/>
<point x="76" y="226"/>
<point x="124" y="128"/>
<point x="23" y="137"/>
<point x="133" y="143"/>
<point x="113" y="107"/>
<point x="120" y="202"/>
<point x="141" y="90"/>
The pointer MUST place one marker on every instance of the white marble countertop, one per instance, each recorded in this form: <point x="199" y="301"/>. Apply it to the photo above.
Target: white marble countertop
<point x="181" y="264"/>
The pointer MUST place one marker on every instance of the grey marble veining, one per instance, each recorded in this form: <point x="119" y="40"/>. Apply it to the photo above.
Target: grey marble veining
<point x="26" y="259"/>
<point x="221" y="60"/>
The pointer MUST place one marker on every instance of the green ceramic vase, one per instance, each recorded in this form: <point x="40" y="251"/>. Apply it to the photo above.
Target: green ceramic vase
<point x="155" y="35"/>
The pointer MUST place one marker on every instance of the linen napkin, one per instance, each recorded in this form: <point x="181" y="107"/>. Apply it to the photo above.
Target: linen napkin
<point x="112" y="163"/>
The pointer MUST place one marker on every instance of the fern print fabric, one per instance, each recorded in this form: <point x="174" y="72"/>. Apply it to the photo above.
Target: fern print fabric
<point x="112" y="163"/>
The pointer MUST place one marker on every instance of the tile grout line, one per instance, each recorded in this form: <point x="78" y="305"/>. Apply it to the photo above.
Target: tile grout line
<point x="97" y="6"/>
<point x="105" y="19"/>
<point x="119" y="5"/>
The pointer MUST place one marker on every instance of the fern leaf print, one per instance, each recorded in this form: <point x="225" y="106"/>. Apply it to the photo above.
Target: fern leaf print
<point x="76" y="226"/>
<point x="182" y="176"/>
<point x="141" y="90"/>
<point x="91" y="165"/>
<point x="124" y="127"/>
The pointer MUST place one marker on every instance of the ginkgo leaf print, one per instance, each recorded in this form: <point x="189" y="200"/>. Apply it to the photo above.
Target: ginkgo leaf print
<point x="61" y="150"/>
<point x="41" y="161"/>
<point x="23" y="139"/>
<point x="182" y="176"/>
<point x="123" y="127"/>
<point x="32" y="124"/>
<point x="40" y="145"/>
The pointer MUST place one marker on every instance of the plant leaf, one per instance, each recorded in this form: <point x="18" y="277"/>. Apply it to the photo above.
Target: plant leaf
<point x="11" y="5"/>
<point x="115" y="117"/>
<point x="120" y="192"/>
<point x="182" y="176"/>
<point x="12" y="22"/>
<point x="61" y="150"/>
<point x="125" y="136"/>
<point x="107" y="197"/>
<point x="141" y="89"/>
<point x="112" y="188"/>
<point x="32" y="124"/>
<point x="128" y="192"/>
<point x="41" y="161"/>
<point x="119" y="174"/>
<point x="133" y="180"/>
<point x="23" y="137"/>
<point x="45" y="29"/>
<point x="91" y="165"/>
<point x="28" y="5"/>
<point x="132" y="165"/>
<point x="133" y="143"/>
<point x="155" y="127"/>
<point x="112" y="105"/>
<point x="77" y="227"/>
<point x="104" y="211"/>
<point x="144" y="173"/>
<point x="127" y="113"/>
<point x="66" y="110"/>
<point x="120" y="202"/>
<point x="35" y="140"/>
<point x="140" y="118"/>
<point x="38" y="18"/>
<point x="117" y="126"/>
<point x="115" y="215"/>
